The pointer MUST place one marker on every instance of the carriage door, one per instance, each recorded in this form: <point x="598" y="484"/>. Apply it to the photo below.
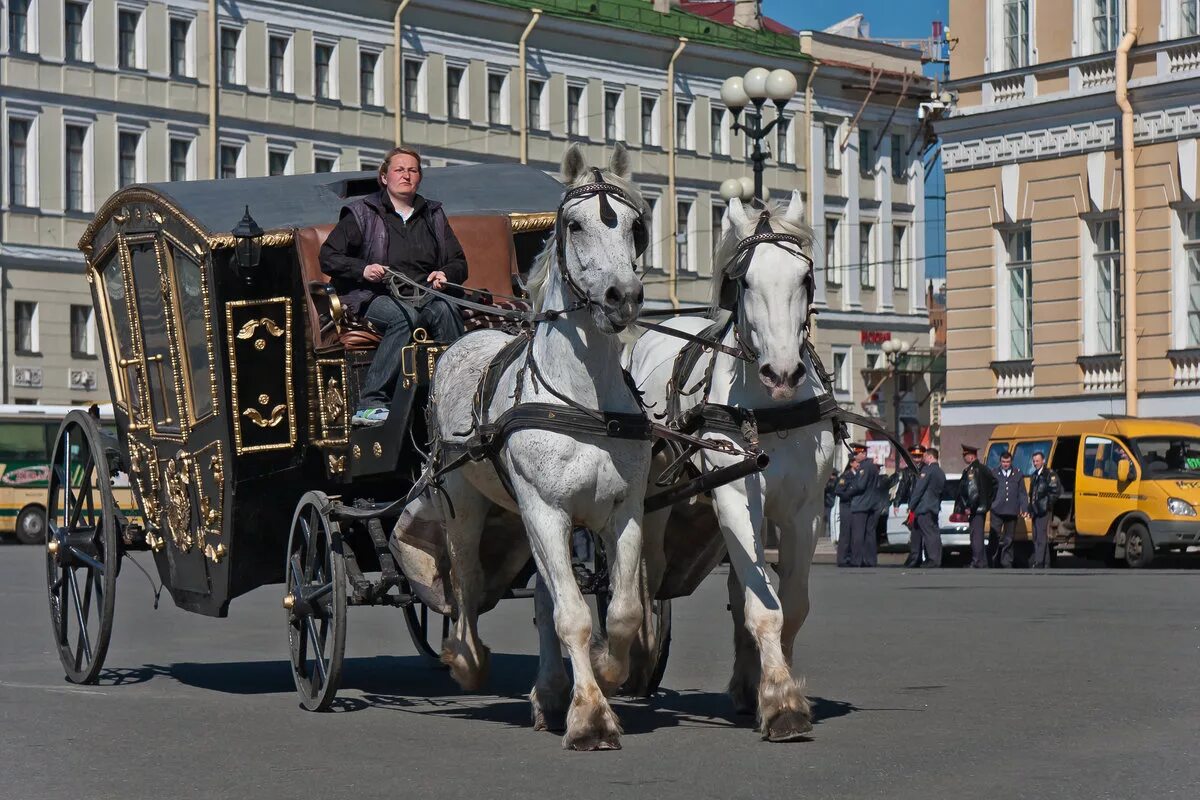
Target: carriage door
<point x="175" y="451"/>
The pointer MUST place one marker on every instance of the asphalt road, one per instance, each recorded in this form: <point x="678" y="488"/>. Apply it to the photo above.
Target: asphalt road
<point x="927" y="684"/>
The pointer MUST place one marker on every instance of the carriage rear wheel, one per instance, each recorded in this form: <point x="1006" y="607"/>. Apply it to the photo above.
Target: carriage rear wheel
<point x="421" y="622"/>
<point x="651" y="675"/>
<point x="316" y="602"/>
<point x="82" y="554"/>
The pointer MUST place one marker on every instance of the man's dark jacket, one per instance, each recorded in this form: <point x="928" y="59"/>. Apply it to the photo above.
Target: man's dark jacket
<point x="1044" y="489"/>
<point x="927" y="491"/>
<point x="976" y="489"/>
<point x="371" y="232"/>
<point x="864" y="495"/>
<point x="1011" y="498"/>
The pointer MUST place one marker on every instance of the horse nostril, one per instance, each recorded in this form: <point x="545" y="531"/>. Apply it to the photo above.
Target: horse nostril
<point x="641" y="295"/>
<point x="613" y="296"/>
<point x="768" y="374"/>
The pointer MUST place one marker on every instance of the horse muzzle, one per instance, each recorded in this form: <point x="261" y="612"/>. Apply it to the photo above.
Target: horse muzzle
<point x="620" y="308"/>
<point x="781" y="385"/>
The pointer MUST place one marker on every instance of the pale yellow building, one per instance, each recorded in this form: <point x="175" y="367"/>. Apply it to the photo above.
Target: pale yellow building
<point x="1036" y="258"/>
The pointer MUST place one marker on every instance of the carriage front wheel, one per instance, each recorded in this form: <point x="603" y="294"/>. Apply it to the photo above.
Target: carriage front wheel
<point x="315" y="602"/>
<point x="82" y="554"/>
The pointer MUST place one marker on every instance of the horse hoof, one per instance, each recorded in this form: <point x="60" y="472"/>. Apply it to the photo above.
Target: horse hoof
<point x="549" y="721"/>
<point x="788" y="726"/>
<point x="592" y="742"/>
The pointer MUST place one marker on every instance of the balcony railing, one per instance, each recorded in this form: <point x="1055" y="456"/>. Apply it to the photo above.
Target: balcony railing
<point x="1013" y="378"/>
<point x="1186" y="367"/>
<point x="1101" y="373"/>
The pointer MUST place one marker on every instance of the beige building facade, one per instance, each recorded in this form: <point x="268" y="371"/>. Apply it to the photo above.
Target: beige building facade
<point x="97" y="94"/>
<point x="1037" y="255"/>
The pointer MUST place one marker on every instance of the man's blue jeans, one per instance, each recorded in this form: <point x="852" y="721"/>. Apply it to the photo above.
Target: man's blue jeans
<point x="396" y="320"/>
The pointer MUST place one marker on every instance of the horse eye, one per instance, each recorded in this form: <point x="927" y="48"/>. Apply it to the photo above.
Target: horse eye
<point x="574" y="226"/>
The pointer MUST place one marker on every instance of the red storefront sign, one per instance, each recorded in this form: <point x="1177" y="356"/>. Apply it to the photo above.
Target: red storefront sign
<point x="875" y="337"/>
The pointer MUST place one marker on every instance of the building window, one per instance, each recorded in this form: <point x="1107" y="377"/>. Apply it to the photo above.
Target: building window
<point x="82" y="331"/>
<point x="413" y="96"/>
<point x="129" y="54"/>
<point x="74" y="156"/>
<point x="456" y="93"/>
<point x="716" y="132"/>
<point x="73" y="18"/>
<point x="128" y="145"/>
<point x="833" y="267"/>
<point x="683" y="116"/>
<point x="898" y="166"/>
<point x="683" y="216"/>
<point x="181" y="152"/>
<point x="1189" y="18"/>
<point x="1018" y="248"/>
<point x="231" y="154"/>
<point x="899" y="260"/>
<point x="278" y="48"/>
<point x="180" y="32"/>
<point x="26" y="319"/>
<point x="613" y="127"/>
<point x="369" y="90"/>
<point x="18" y="26"/>
<point x="841" y="372"/>
<point x="536" y="93"/>
<point x="865" y="156"/>
<point x="279" y="162"/>
<point x="718" y="220"/>
<point x="230" y="45"/>
<point x="783" y="149"/>
<point x="324" y="164"/>
<point x="648" y="255"/>
<point x="325" y="81"/>
<point x="649" y="126"/>
<point x="1106" y="237"/>
<point x="497" y="98"/>
<point x="1016" y="34"/>
<point x="576" y="122"/>
<point x="866" y="267"/>
<point x="19" y="162"/>
<point x="831" y="151"/>
<point x="1191" y="248"/>
<point x="1105" y="24"/>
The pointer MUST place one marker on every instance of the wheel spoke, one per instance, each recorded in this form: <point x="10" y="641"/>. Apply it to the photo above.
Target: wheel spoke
<point x="318" y="650"/>
<point x="67" y="477"/>
<point x="302" y="648"/>
<point x="315" y="530"/>
<point x="63" y="591"/>
<point x="85" y="490"/>
<point x="84" y="643"/>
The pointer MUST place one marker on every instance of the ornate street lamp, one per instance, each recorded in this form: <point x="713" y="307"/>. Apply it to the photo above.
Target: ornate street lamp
<point x="755" y="88"/>
<point x="894" y="350"/>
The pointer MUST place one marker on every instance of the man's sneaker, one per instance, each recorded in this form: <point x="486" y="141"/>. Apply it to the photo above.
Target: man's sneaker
<point x="370" y="416"/>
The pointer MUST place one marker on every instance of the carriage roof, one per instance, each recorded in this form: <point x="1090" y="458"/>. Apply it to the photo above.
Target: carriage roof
<point x="285" y="202"/>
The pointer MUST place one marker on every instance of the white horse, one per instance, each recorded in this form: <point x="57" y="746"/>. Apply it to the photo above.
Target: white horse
<point x="772" y="308"/>
<point x="558" y="480"/>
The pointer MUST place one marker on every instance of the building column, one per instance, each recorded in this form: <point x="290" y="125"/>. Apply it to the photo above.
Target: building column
<point x="916" y="292"/>
<point x="852" y="290"/>
<point x="816" y="205"/>
<point x="884" y="183"/>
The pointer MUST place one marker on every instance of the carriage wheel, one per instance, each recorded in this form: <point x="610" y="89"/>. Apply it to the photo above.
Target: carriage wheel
<point x="660" y="615"/>
<point x="316" y="602"/>
<point x="416" y="616"/>
<point x="81" y="547"/>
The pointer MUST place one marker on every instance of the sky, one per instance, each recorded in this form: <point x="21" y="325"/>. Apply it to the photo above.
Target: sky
<point x="889" y="19"/>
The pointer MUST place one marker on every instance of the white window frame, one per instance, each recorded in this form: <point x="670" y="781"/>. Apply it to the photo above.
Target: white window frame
<point x="464" y="89"/>
<point x="1009" y="261"/>
<point x="996" y="57"/>
<point x="1092" y="256"/>
<point x="843" y="378"/>
<point x="867" y="262"/>
<point x="378" y="77"/>
<point x="1184" y="248"/>
<point x="32" y="182"/>
<point x="652" y="258"/>
<point x="833" y="257"/>
<point x="240" y="163"/>
<point x="787" y="150"/>
<point x="280" y="148"/>
<point x="655" y="119"/>
<point x="189" y="136"/>
<point x="901" y="268"/>
<point x="505" y="97"/>
<point x="289" y="60"/>
<point x="74" y="119"/>
<point x="139" y="156"/>
<point x="685" y="235"/>
<point x="898" y="166"/>
<point x="31" y="29"/>
<point x="831" y="157"/>
<point x="723" y="133"/>
<point x="330" y="153"/>
<point x="581" y="115"/>
<point x="543" y="103"/>
<point x="89" y="346"/>
<point x="420" y="103"/>
<point x="88" y="45"/>
<point x="1085" y="38"/>
<point x="1173" y="18"/>
<point x="335" y="86"/>
<point x="619" y="113"/>
<point x="689" y="123"/>
<point x="35" y="339"/>
<point x="139" y="33"/>
<point x="239" y="56"/>
<point x="189" y="47"/>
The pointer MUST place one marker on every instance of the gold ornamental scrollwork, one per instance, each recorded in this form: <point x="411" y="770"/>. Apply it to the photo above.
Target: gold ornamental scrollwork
<point x="179" y="504"/>
<point x="247" y="331"/>
<point x="523" y="223"/>
<point x="337" y="464"/>
<point x="335" y="404"/>
<point x="278" y="414"/>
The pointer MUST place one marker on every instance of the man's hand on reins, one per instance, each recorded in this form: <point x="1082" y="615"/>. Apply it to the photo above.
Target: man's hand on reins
<point x="374" y="272"/>
<point x="438" y="279"/>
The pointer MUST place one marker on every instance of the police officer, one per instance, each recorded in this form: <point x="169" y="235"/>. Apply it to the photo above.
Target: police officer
<point x="925" y="503"/>
<point x="864" y="501"/>
<point x="976" y="490"/>
<point x="1044" y="489"/>
<point x="1011" y="502"/>
<point x="903" y="495"/>
<point x="830" y="499"/>
<point x="842" y="490"/>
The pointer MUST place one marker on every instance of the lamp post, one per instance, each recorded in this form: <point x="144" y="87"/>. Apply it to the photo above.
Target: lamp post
<point x="894" y="350"/>
<point x="755" y="88"/>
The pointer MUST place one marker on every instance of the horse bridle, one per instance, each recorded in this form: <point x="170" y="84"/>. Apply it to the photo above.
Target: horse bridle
<point x="736" y="276"/>
<point x="605" y="190"/>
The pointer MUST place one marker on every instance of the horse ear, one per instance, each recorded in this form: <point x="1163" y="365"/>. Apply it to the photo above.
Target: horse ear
<point x="735" y="214"/>
<point x="574" y="164"/>
<point x="620" y="164"/>
<point x="795" y="209"/>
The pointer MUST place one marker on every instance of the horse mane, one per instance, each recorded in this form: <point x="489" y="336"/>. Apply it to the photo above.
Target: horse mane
<point x="728" y="245"/>
<point x="539" y="274"/>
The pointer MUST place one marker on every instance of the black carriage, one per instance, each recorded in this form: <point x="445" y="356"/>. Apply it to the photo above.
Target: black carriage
<point x="234" y="373"/>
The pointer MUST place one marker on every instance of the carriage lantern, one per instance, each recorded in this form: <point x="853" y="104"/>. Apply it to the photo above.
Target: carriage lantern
<point x="247" y="245"/>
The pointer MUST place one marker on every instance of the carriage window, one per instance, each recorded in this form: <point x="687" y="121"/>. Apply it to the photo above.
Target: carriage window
<point x="156" y="347"/>
<point x="194" y="314"/>
<point x="113" y="287"/>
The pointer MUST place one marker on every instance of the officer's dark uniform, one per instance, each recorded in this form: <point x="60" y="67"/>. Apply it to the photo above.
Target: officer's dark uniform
<point x="1011" y="500"/>
<point x="1044" y="489"/>
<point x="843" y="492"/>
<point x="908" y="479"/>
<point x="976" y="490"/>
<point x="864" y="501"/>
<point x="925" y="503"/>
